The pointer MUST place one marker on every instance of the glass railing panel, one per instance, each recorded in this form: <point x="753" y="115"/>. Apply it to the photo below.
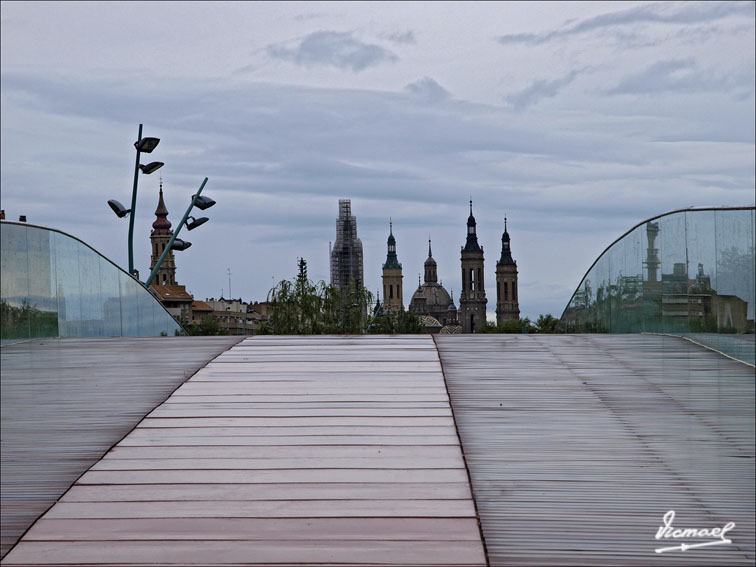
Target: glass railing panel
<point x="14" y="285"/>
<point x="688" y="272"/>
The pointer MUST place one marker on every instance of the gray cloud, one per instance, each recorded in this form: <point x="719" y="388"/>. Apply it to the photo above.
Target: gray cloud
<point x="675" y="13"/>
<point x="406" y="37"/>
<point x="683" y="75"/>
<point x="540" y="89"/>
<point x="333" y="49"/>
<point x="428" y="89"/>
<point x="278" y="157"/>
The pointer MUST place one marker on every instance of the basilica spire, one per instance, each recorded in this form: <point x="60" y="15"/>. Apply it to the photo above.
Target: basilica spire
<point x="472" y="237"/>
<point x="392" y="261"/>
<point x="506" y="252"/>
<point x="431" y="268"/>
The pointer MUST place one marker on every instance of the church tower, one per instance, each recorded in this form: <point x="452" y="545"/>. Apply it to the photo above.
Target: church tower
<point x="472" y="299"/>
<point x="346" y="255"/>
<point x="160" y="235"/>
<point x="392" y="276"/>
<point x="507" y="306"/>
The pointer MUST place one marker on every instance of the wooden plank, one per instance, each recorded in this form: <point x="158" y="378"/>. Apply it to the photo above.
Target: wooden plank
<point x="194" y="411"/>
<point x="313" y="552"/>
<point x="238" y="492"/>
<point x="182" y="397"/>
<point x="250" y="529"/>
<point x="294" y="430"/>
<point x="295" y="421"/>
<point x="159" y="440"/>
<point x="273" y="476"/>
<point x="272" y="464"/>
<point x="404" y="508"/>
<point x="338" y="451"/>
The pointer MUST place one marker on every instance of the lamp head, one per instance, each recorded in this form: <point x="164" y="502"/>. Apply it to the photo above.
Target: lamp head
<point x="146" y="145"/>
<point x="196" y="222"/>
<point x="150" y="167"/>
<point x="179" y="244"/>
<point x="118" y="208"/>
<point x="203" y="202"/>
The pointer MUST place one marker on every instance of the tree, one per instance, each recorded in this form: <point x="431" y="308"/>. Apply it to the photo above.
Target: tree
<point x="546" y="324"/>
<point x="300" y="307"/>
<point x="508" y="326"/>
<point x="209" y="325"/>
<point x="396" y="322"/>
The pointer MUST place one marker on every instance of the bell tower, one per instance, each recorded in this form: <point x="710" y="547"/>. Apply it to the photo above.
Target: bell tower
<point x="160" y="235"/>
<point x="507" y="306"/>
<point x="472" y="299"/>
<point x="392" y="276"/>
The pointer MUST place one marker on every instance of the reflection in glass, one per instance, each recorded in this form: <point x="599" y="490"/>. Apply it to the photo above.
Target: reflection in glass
<point x="53" y="285"/>
<point x="684" y="272"/>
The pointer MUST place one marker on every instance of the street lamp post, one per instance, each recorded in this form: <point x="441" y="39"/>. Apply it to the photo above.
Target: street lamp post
<point x="142" y="145"/>
<point x="202" y="203"/>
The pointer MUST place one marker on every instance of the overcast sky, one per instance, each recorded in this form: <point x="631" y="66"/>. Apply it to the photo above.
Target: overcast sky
<point x="575" y="120"/>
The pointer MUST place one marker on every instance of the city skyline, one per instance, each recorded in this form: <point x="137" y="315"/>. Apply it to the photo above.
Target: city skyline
<point x="575" y="121"/>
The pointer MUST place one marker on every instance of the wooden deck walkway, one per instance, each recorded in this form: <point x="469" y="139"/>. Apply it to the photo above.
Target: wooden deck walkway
<point x="319" y="450"/>
<point x="65" y="402"/>
<point x="578" y="445"/>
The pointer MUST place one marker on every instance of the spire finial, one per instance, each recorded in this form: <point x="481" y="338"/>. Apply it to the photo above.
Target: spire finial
<point x="161" y="184"/>
<point x="505" y="223"/>
<point x="471" y="205"/>
<point x="391" y="226"/>
<point x="430" y="255"/>
<point x="418" y="279"/>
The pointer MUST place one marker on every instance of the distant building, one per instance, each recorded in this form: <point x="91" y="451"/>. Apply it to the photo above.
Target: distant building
<point x="507" y="305"/>
<point x="200" y="309"/>
<point x="174" y="297"/>
<point x="231" y="315"/>
<point x="257" y="314"/>
<point x="176" y="300"/>
<point x="235" y="316"/>
<point x="431" y="302"/>
<point x="392" y="277"/>
<point x="472" y="299"/>
<point x="346" y="254"/>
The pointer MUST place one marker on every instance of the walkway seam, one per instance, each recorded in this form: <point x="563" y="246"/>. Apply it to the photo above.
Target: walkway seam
<point x="462" y="449"/>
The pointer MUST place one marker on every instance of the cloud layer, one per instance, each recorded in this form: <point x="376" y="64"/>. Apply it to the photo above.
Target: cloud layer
<point x="575" y="133"/>
<point x="333" y="49"/>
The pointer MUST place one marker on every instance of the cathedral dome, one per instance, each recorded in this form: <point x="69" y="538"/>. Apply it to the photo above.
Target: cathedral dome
<point x="435" y="296"/>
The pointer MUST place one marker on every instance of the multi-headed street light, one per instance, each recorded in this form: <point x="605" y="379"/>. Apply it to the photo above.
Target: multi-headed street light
<point x="142" y="145"/>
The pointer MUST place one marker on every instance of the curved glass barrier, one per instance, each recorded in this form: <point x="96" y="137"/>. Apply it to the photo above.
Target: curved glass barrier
<point x="53" y="285"/>
<point x="688" y="272"/>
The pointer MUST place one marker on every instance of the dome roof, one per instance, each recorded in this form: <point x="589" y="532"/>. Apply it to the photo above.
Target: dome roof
<point x="436" y="297"/>
<point x="429" y="321"/>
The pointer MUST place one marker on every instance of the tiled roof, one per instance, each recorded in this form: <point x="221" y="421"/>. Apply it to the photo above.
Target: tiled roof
<point x="200" y="306"/>
<point x="173" y="292"/>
